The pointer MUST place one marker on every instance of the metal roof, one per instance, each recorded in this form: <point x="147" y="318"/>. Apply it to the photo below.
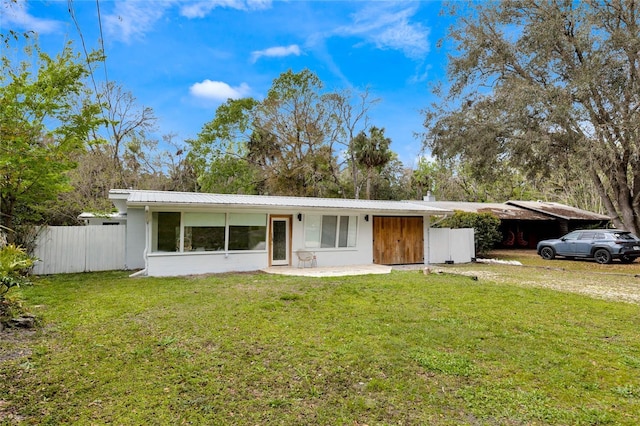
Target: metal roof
<point x="520" y="210"/>
<point x="170" y="198"/>
<point x="500" y="210"/>
<point x="558" y="210"/>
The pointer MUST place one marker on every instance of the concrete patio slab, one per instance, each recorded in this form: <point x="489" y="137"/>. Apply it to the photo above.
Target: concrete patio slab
<point x="329" y="271"/>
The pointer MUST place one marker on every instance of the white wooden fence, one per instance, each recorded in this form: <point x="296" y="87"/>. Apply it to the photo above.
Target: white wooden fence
<point x="67" y="249"/>
<point x="451" y="245"/>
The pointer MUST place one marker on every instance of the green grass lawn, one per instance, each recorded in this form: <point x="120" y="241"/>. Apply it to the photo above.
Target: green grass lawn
<point x="249" y="349"/>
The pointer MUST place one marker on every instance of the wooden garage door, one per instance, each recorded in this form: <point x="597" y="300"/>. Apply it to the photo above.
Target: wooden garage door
<point x="398" y="240"/>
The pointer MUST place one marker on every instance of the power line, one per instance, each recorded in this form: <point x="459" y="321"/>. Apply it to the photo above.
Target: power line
<point x="86" y="52"/>
<point x="84" y="46"/>
<point x="104" y="54"/>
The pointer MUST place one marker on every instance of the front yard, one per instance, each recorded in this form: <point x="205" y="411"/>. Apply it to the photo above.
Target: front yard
<point x="405" y="348"/>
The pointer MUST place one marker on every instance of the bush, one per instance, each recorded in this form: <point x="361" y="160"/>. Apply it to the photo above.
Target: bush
<point x="485" y="225"/>
<point x="15" y="264"/>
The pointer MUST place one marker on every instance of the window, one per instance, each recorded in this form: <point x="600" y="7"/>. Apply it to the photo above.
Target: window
<point x="571" y="236"/>
<point x="329" y="224"/>
<point x="312" y="230"/>
<point x="204" y="231"/>
<point x="167" y="231"/>
<point x="623" y="236"/>
<point x="347" y="234"/>
<point x="247" y="231"/>
<point x="208" y="231"/>
<point x="330" y="231"/>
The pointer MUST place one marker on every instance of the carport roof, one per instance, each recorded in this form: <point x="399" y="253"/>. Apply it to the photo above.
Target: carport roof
<point x="521" y="210"/>
<point x="558" y="210"/>
<point x="500" y="210"/>
<point x="193" y="199"/>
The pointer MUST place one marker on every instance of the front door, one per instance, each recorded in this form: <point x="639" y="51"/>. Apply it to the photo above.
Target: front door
<point x="280" y="241"/>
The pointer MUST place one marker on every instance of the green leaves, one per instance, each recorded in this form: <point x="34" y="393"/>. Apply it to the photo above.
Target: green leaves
<point x="14" y="266"/>
<point x="485" y="226"/>
<point x="372" y="152"/>
<point x="43" y="126"/>
<point x="544" y="88"/>
<point x="281" y="145"/>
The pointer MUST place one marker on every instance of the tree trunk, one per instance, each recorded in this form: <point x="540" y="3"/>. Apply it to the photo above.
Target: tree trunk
<point x="623" y="219"/>
<point x="354" y="174"/>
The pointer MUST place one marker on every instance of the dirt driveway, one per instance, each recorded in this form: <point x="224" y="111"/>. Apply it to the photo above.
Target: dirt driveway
<point x="615" y="281"/>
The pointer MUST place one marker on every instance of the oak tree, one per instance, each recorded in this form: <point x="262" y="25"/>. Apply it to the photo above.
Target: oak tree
<point x="541" y="86"/>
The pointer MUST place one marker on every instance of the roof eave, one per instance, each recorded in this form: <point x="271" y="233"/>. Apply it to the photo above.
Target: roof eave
<point x="363" y="209"/>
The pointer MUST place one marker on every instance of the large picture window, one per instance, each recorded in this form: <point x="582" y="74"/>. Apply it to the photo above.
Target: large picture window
<point x="330" y="231"/>
<point x="208" y="231"/>
<point x="247" y="231"/>
<point x="204" y="231"/>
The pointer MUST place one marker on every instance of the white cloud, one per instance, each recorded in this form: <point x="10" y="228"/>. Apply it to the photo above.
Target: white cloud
<point x="201" y="9"/>
<point x="258" y="4"/>
<point x="218" y="90"/>
<point x="276" y="52"/>
<point x="16" y="14"/>
<point x="388" y="26"/>
<point x="133" y="19"/>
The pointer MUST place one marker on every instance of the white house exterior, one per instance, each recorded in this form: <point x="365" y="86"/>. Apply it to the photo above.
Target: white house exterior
<point x="177" y="233"/>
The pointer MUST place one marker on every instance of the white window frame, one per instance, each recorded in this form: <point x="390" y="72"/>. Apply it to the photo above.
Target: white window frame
<point x="190" y="218"/>
<point x="313" y="231"/>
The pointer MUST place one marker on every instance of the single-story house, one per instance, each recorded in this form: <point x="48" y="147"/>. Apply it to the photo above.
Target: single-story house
<point x="524" y="223"/>
<point x="179" y="233"/>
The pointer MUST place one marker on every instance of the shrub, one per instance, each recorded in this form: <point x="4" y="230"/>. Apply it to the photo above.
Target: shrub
<point x="485" y="225"/>
<point x="15" y="264"/>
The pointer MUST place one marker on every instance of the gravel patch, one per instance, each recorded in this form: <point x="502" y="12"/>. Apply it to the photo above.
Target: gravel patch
<point x="608" y="286"/>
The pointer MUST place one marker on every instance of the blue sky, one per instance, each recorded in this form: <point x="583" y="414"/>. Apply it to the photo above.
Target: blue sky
<point x="184" y="58"/>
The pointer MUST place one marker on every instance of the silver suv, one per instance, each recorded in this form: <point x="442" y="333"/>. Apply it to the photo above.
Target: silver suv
<point x="603" y="245"/>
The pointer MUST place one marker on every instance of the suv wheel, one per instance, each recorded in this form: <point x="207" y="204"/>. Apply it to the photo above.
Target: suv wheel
<point x="602" y="256"/>
<point x="626" y="259"/>
<point x="547" y="253"/>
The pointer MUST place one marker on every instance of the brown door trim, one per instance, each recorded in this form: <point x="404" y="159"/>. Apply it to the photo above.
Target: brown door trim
<point x="270" y="236"/>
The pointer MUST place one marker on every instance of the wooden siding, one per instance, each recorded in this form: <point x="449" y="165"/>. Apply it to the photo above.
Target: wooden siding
<point x="70" y="249"/>
<point x="398" y="240"/>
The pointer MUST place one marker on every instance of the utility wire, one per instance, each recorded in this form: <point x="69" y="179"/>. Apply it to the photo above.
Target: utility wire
<point x="84" y="46"/>
<point x="86" y="54"/>
<point x="104" y="54"/>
